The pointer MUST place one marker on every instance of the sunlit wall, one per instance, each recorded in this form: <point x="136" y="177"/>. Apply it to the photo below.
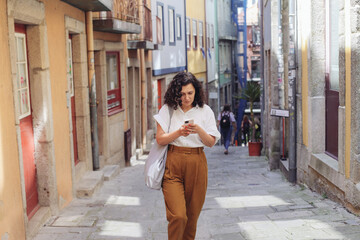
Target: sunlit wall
<point x="11" y="214"/>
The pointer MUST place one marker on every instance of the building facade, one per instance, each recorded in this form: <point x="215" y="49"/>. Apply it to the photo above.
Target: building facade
<point x="169" y="56"/>
<point x="326" y="116"/>
<point x="227" y="37"/>
<point x="212" y="55"/>
<point x="195" y="35"/>
<point x="58" y="55"/>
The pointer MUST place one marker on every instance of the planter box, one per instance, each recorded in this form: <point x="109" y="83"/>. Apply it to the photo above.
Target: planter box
<point x="255" y="148"/>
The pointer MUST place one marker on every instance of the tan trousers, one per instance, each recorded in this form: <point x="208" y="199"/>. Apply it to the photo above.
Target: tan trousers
<point x="184" y="188"/>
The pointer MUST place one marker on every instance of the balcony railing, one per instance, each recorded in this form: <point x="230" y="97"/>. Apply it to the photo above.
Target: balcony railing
<point x="124" y="10"/>
<point x="146" y="25"/>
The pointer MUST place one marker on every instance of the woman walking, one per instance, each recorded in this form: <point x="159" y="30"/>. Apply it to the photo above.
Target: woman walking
<point x="245" y="128"/>
<point x="185" y="178"/>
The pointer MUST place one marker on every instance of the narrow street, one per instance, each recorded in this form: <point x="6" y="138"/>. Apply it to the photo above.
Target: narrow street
<point x="244" y="201"/>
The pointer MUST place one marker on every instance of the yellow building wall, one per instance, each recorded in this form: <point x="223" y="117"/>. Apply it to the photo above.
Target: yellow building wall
<point x="55" y="20"/>
<point x="11" y="205"/>
<point x="195" y="9"/>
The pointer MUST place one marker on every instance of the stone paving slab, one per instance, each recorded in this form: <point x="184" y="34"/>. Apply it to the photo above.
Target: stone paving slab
<point x="244" y="201"/>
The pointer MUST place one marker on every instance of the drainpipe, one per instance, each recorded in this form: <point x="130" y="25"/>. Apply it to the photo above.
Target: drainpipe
<point x="92" y="90"/>
<point x="186" y="58"/>
<point x="218" y="61"/>
<point x="143" y="98"/>
<point x="262" y="100"/>
<point x="143" y="82"/>
<point x="206" y="57"/>
<point x="292" y="90"/>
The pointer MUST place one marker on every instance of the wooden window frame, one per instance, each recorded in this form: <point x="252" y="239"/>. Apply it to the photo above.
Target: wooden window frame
<point x="178" y="26"/>
<point x="114" y="95"/>
<point x="20" y="89"/>
<point x="172" y="37"/>
<point x="201" y="35"/>
<point x="188" y="34"/>
<point x="194" y="33"/>
<point x="212" y="36"/>
<point x="162" y="30"/>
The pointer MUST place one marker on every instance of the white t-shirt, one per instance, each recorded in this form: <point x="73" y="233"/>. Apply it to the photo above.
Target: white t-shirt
<point x="203" y="116"/>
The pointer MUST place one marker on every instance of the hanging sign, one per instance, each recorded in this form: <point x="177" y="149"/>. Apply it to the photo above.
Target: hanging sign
<point x="279" y="112"/>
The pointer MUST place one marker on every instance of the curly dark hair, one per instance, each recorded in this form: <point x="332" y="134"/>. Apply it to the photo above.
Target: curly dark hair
<point x="173" y="93"/>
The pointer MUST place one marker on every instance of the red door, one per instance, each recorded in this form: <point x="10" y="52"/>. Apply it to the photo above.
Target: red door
<point x="70" y="75"/>
<point x="26" y="124"/>
<point x="332" y="105"/>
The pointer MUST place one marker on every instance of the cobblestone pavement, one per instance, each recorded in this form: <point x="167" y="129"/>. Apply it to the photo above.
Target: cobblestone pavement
<point x="244" y="201"/>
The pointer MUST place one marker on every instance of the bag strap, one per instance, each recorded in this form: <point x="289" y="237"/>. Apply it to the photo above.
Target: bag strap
<point x="171" y="111"/>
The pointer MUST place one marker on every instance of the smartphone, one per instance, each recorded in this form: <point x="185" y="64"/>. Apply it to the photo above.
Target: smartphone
<point x="189" y="121"/>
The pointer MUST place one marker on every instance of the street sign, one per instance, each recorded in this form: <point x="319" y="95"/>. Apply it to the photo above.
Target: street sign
<point x="279" y="112"/>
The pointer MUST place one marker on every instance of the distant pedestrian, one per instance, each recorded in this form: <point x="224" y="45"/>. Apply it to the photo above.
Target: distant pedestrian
<point x="192" y="127"/>
<point x="245" y="129"/>
<point x="257" y="128"/>
<point x="226" y="121"/>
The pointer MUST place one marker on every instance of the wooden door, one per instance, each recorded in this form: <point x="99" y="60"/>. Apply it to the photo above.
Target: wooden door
<point x="26" y="123"/>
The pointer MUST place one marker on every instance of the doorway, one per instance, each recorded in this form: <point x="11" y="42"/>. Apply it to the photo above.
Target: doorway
<point x="26" y="121"/>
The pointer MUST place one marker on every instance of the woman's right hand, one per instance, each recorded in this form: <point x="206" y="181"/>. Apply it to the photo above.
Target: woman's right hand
<point x="184" y="131"/>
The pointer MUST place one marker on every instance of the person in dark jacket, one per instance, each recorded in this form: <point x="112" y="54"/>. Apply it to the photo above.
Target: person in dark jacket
<point x="245" y="129"/>
<point x="226" y="121"/>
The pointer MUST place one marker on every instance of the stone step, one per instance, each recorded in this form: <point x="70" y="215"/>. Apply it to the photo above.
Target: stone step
<point x="138" y="153"/>
<point x="37" y="221"/>
<point x="110" y="171"/>
<point x="89" y="184"/>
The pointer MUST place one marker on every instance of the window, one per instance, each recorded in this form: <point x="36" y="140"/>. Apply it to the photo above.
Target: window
<point x="207" y="36"/>
<point x="188" y="39"/>
<point x="178" y="27"/>
<point x="113" y="82"/>
<point x="22" y="77"/>
<point x="256" y="35"/>
<point x="333" y="45"/>
<point x="255" y="69"/>
<point x="171" y="26"/>
<point x="194" y="33"/>
<point x="201" y="35"/>
<point x="70" y="72"/>
<point x="160" y="24"/>
<point x="212" y="36"/>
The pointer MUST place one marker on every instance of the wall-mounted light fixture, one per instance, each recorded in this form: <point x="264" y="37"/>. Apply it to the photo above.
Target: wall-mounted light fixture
<point x="227" y="73"/>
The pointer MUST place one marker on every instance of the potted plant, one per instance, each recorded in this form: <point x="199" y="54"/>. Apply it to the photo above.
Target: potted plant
<point x="252" y="93"/>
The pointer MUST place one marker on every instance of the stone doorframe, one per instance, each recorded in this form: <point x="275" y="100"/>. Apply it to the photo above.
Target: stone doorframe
<point x="32" y="14"/>
<point x="81" y="91"/>
<point x="106" y="144"/>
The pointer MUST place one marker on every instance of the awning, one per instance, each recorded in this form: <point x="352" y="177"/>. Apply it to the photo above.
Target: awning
<point x="115" y="26"/>
<point x="140" y="44"/>
<point x="91" y="5"/>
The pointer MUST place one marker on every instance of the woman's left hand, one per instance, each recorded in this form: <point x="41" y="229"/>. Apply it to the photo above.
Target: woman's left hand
<point x="206" y="138"/>
<point x="193" y="128"/>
